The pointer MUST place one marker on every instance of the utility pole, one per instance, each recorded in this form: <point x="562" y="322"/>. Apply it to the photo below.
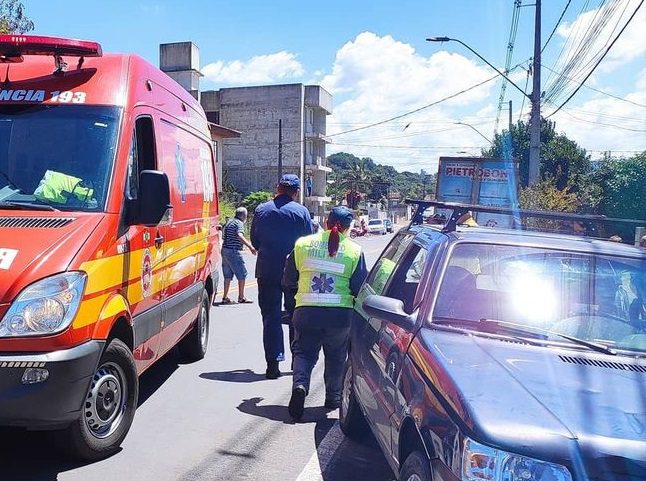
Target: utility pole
<point x="280" y="149"/>
<point x="535" y="120"/>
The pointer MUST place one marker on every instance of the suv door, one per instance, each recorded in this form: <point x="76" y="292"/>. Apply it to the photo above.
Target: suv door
<point x="365" y="329"/>
<point x="384" y="344"/>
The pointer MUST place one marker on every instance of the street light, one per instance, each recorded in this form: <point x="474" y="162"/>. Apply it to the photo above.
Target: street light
<point x="535" y="120"/>
<point x="477" y="131"/>
<point x="449" y="39"/>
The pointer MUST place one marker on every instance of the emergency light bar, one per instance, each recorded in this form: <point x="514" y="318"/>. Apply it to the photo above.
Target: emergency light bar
<point x="459" y="209"/>
<point x="19" y="45"/>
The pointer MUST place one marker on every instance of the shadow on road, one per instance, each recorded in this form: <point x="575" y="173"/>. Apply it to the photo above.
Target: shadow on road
<point x="341" y="459"/>
<point x="279" y="413"/>
<point x="36" y="456"/>
<point x="239" y="375"/>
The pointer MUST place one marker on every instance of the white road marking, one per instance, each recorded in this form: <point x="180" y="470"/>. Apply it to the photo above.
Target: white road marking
<point x="322" y="457"/>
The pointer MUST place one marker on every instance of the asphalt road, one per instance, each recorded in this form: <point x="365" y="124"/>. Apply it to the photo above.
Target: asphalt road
<point x="217" y="419"/>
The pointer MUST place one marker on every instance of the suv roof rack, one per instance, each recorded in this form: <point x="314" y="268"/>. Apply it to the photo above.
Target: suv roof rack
<point x="459" y="209"/>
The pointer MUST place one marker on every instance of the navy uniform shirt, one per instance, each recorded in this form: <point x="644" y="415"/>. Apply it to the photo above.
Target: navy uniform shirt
<point x="276" y="226"/>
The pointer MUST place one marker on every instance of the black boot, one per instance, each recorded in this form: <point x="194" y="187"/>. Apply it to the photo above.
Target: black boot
<point x="273" y="372"/>
<point x="297" y="403"/>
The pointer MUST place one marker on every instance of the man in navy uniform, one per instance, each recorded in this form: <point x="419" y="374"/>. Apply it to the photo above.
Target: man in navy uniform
<point x="276" y="226"/>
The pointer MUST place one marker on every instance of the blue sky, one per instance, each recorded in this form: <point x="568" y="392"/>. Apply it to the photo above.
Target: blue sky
<point x="373" y="57"/>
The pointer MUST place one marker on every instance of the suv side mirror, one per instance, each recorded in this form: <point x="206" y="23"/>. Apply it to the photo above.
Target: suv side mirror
<point x="153" y="201"/>
<point x="388" y="309"/>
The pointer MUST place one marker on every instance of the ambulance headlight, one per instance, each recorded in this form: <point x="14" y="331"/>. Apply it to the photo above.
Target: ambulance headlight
<point x="482" y="463"/>
<point x="47" y="306"/>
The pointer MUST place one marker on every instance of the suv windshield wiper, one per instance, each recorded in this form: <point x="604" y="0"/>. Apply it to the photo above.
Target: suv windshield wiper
<point x="5" y="204"/>
<point x="521" y="330"/>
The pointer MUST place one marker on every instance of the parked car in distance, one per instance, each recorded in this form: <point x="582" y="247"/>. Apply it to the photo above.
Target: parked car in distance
<point x="389" y="225"/>
<point x="481" y="354"/>
<point x="376" y="226"/>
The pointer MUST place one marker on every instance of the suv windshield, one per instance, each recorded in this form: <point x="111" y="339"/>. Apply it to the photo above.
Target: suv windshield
<point x="59" y="156"/>
<point x="375" y="222"/>
<point x="588" y="296"/>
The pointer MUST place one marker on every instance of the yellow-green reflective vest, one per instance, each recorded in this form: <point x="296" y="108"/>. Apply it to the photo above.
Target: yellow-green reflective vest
<point x="323" y="280"/>
<point x="56" y="187"/>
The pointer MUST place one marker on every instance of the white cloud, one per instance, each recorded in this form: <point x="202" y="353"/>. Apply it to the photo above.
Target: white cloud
<point x="261" y="69"/>
<point x="606" y="124"/>
<point x="379" y="77"/>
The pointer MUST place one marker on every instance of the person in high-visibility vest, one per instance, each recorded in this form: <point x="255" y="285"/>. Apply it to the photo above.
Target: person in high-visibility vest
<point x="58" y="188"/>
<point x="324" y="273"/>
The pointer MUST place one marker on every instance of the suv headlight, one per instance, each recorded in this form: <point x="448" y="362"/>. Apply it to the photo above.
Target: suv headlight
<point x="482" y="463"/>
<point x="47" y="306"/>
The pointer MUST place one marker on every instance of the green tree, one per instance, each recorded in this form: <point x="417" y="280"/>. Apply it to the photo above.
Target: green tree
<point x="254" y="199"/>
<point x="561" y="158"/>
<point x="13" y="18"/>
<point x="622" y="182"/>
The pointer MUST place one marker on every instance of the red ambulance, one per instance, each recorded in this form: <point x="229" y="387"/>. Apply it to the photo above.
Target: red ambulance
<point x="108" y="235"/>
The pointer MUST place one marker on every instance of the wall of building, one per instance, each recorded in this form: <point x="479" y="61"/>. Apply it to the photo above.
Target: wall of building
<point x="252" y="160"/>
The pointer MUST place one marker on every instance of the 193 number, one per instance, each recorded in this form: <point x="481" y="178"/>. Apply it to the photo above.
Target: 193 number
<point x="68" y="97"/>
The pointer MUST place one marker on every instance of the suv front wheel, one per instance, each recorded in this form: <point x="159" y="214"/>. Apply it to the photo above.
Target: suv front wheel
<point x="351" y="419"/>
<point x="415" y="468"/>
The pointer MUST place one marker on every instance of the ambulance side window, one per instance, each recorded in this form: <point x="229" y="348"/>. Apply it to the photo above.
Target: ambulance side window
<point x="142" y="154"/>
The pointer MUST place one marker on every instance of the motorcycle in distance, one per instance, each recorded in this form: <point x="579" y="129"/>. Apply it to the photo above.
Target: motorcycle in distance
<point x="359" y="231"/>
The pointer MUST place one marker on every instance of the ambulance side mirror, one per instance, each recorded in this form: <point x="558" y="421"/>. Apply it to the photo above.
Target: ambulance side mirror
<point x="154" y="199"/>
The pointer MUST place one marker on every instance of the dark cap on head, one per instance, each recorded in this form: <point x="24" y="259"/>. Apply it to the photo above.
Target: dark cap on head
<point x="290" y="180"/>
<point x="342" y="215"/>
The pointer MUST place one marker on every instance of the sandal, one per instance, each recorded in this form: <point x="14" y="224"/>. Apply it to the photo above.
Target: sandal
<point x="226" y="300"/>
<point x="244" y="300"/>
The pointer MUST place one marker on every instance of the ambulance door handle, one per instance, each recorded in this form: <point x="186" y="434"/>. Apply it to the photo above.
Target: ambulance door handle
<point x="159" y="240"/>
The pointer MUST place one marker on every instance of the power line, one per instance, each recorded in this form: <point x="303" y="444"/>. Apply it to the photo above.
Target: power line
<point x="420" y="108"/>
<point x="558" y="22"/>
<point x="594" y="122"/>
<point x="510" y="52"/>
<point x="522" y="106"/>
<point x="600" y="59"/>
<point x="567" y="42"/>
<point x="574" y="63"/>
<point x="595" y="89"/>
<point x="409" y="147"/>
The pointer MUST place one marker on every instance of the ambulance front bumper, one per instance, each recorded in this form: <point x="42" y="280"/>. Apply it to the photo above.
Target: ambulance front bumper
<point x="46" y="390"/>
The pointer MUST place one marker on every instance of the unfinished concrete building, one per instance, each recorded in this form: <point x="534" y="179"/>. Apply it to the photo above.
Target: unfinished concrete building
<point x="277" y="122"/>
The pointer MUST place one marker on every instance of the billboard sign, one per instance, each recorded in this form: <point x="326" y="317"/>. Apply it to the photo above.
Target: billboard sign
<point x="477" y="180"/>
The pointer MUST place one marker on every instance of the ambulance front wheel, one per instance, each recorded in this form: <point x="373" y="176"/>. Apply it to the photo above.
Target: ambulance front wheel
<point x="109" y="406"/>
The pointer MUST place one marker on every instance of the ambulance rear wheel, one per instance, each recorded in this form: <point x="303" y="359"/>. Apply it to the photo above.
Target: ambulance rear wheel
<point x="193" y="347"/>
<point x="109" y="406"/>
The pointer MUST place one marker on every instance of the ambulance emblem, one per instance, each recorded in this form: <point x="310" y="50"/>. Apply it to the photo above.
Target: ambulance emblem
<point x="146" y="273"/>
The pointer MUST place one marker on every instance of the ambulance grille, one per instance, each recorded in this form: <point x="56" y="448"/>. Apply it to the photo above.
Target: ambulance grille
<point x="35" y="222"/>
<point x="621" y="366"/>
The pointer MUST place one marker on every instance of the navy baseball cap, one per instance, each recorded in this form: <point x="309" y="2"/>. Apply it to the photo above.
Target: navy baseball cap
<point x="342" y="215"/>
<point x="290" y="180"/>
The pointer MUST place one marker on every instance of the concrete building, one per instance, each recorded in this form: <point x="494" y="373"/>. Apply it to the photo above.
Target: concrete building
<point x="275" y="119"/>
<point x="181" y="62"/>
<point x="262" y="123"/>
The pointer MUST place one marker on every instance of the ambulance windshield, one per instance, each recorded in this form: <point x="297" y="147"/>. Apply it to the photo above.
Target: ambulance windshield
<point x="57" y="156"/>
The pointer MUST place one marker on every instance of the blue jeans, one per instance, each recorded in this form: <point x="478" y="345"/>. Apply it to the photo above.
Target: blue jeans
<point x="270" y="298"/>
<point x="305" y="349"/>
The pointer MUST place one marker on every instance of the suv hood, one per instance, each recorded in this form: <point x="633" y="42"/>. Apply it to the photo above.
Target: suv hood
<point x="37" y="246"/>
<point x="546" y="402"/>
